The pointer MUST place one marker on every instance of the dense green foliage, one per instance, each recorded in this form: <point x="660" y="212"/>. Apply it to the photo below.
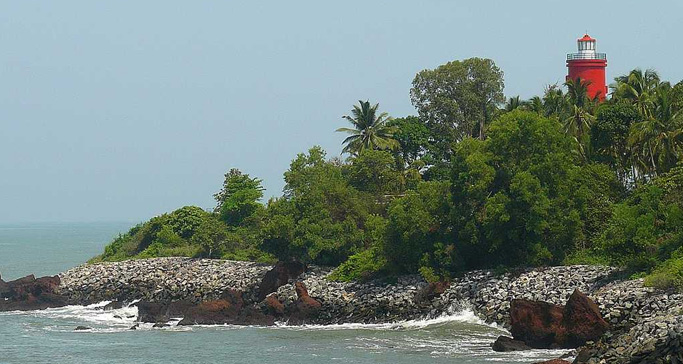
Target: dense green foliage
<point x="646" y="232"/>
<point x="469" y="183"/>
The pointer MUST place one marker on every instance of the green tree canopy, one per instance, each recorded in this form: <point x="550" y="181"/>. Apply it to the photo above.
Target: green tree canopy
<point x="459" y="98"/>
<point x="413" y="137"/>
<point x="514" y="194"/>
<point x="374" y="171"/>
<point x="609" y="137"/>
<point x="238" y="199"/>
<point x="320" y="218"/>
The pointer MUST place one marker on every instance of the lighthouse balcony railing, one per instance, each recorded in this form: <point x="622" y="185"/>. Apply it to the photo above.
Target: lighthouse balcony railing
<point x="573" y="56"/>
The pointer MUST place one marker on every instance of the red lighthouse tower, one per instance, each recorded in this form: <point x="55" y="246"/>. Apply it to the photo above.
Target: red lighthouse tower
<point x="588" y="65"/>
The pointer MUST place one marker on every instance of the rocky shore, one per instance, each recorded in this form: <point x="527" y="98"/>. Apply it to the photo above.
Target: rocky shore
<point x="645" y="325"/>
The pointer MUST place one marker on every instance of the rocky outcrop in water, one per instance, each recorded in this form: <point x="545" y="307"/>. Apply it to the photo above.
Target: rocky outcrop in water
<point x="543" y="325"/>
<point x="29" y="293"/>
<point x="230" y="309"/>
<point x="505" y="344"/>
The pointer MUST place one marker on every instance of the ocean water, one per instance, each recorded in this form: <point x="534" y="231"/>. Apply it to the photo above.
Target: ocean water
<point x="48" y="336"/>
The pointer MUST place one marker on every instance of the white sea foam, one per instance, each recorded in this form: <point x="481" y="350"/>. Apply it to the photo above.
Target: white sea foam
<point x="464" y="315"/>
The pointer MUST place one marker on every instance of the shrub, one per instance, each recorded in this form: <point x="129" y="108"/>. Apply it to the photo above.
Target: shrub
<point x="361" y="266"/>
<point x="669" y="275"/>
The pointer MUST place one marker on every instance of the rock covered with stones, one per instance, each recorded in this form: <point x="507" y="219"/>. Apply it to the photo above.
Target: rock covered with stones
<point x="161" y="279"/>
<point x="371" y="302"/>
<point x="647" y="325"/>
<point x="490" y="295"/>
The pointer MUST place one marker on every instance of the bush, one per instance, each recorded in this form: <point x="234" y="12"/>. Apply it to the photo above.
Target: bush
<point x="669" y="275"/>
<point x="188" y="231"/>
<point x="361" y="266"/>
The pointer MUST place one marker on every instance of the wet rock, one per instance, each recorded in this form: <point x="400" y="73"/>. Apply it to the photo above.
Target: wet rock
<point x="159" y="325"/>
<point x="113" y="305"/>
<point x="29" y="293"/>
<point x="177" y="309"/>
<point x="582" y="321"/>
<point x="155" y="312"/>
<point x="82" y="328"/>
<point x="273" y="306"/>
<point x="4" y="288"/>
<point x="280" y="275"/>
<point x="554" y="361"/>
<point x="306" y="309"/>
<point x="228" y="310"/>
<point x="152" y="312"/>
<point x="538" y="324"/>
<point x="543" y="325"/>
<point x="505" y="344"/>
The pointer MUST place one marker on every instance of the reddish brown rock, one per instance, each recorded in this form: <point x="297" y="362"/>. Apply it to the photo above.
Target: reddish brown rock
<point x="542" y="325"/>
<point x="538" y="324"/>
<point x="306" y="309"/>
<point x="274" y="306"/>
<point x="582" y="320"/>
<point x="280" y="275"/>
<point x="228" y="310"/>
<point x="29" y="293"/>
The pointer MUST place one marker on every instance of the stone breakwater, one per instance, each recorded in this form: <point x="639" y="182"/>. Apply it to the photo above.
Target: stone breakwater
<point x="646" y="325"/>
<point x="160" y="280"/>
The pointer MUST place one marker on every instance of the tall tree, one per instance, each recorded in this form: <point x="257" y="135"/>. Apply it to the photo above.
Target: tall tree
<point x="238" y="199"/>
<point x="459" y="98"/>
<point x="370" y="130"/>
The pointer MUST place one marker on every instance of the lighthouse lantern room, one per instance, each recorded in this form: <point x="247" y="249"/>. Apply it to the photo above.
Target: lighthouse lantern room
<point x="590" y="66"/>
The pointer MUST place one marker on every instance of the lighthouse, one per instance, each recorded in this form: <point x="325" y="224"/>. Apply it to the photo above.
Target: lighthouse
<point x="588" y="65"/>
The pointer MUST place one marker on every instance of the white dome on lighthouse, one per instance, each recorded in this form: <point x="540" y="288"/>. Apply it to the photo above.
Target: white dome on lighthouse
<point x="586" y="46"/>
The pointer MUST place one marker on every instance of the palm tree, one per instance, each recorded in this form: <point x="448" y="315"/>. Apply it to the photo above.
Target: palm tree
<point x="658" y="140"/>
<point x="535" y="104"/>
<point x="554" y="101"/>
<point x="638" y="88"/>
<point x="513" y="103"/>
<point x="580" y="119"/>
<point x="369" y="129"/>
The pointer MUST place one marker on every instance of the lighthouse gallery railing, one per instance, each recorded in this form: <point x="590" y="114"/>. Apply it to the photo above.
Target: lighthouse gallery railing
<point x="573" y="56"/>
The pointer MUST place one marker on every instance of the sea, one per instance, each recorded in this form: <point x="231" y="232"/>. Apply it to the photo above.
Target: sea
<point x="48" y="336"/>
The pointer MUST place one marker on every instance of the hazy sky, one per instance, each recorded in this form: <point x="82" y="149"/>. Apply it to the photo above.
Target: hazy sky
<point x="121" y="110"/>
